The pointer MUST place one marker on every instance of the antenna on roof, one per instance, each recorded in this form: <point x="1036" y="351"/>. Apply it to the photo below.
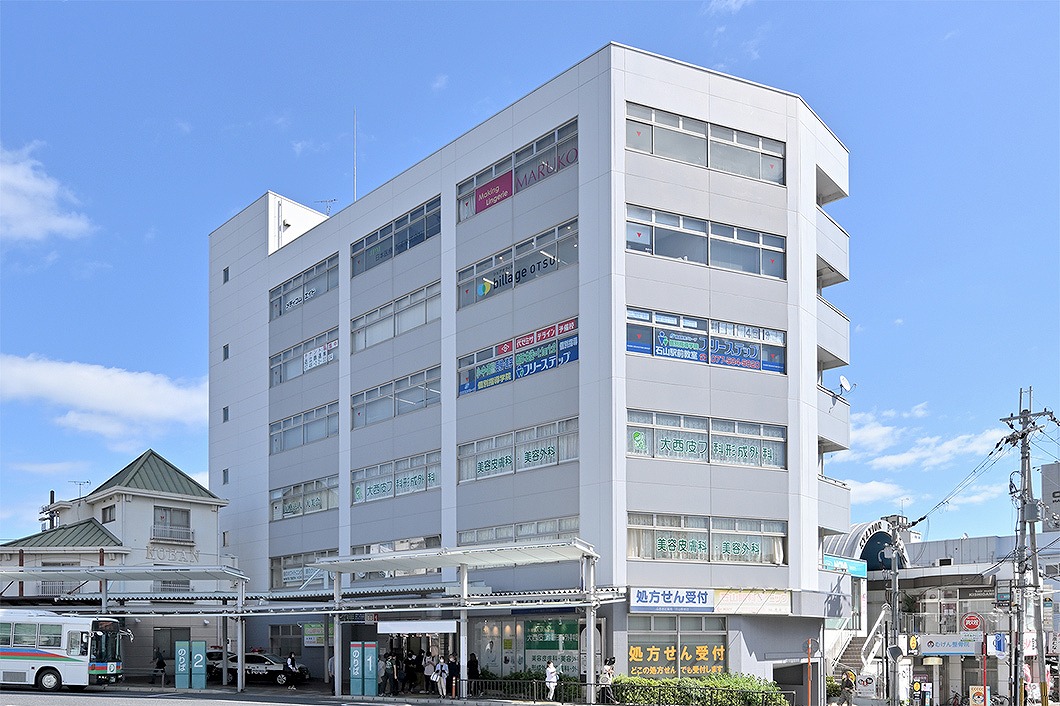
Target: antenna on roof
<point x="354" y="154"/>
<point x="80" y="484"/>
<point x="327" y="211"/>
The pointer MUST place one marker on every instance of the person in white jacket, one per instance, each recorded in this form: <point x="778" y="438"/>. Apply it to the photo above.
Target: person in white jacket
<point x="551" y="679"/>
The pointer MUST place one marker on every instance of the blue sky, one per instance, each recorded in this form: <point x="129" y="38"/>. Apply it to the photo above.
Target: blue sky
<point x="129" y="131"/>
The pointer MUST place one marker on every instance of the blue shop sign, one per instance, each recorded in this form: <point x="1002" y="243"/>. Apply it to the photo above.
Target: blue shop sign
<point x="681" y="345"/>
<point x="854" y="567"/>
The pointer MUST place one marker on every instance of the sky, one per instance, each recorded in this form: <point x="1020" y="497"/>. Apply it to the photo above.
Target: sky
<point x="130" y="131"/>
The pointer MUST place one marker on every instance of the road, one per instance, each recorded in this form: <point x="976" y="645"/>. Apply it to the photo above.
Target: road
<point x="18" y="696"/>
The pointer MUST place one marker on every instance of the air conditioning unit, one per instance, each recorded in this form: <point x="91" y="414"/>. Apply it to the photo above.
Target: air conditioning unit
<point x="944" y="561"/>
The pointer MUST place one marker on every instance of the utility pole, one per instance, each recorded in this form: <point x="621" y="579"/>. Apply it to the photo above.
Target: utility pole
<point x="1030" y="512"/>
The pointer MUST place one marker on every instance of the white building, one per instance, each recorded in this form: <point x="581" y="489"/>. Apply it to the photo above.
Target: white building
<point x="600" y="314"/>
<point x="149" y="514"/>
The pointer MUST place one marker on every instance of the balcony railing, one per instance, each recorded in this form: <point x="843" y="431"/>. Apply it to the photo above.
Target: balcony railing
<point x="170" y="533"/>
<point x="57" y="588"/>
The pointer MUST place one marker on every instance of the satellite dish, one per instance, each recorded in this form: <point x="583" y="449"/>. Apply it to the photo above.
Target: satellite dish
<point x="844" y="383"/>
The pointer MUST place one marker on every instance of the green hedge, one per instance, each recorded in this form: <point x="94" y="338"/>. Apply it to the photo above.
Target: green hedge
<point x="832" y="686"/>
<point x="709" y="690"/>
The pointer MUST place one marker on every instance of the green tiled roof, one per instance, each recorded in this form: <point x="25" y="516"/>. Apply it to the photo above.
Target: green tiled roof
<point x="87" y="533"/>
<point x="151" y="472"/>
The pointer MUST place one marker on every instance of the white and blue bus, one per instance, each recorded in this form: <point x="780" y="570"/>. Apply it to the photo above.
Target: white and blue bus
<point x="48" y="650"/>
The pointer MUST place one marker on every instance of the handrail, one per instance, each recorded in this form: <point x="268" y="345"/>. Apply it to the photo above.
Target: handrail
<point x="873" y="641"/>
<point x="844" y="634"/>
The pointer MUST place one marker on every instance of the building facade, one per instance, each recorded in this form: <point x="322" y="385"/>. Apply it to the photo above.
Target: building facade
<point x="148" y="514"/>
<point x="601" y="314"/>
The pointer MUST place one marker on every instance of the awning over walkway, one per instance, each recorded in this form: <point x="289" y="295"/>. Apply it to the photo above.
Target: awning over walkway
<point x="487" y="557"/>
<point x="122" y="573"/>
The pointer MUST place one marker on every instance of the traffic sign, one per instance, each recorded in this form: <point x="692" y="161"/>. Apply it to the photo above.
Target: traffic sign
<point x="972" y="621"/>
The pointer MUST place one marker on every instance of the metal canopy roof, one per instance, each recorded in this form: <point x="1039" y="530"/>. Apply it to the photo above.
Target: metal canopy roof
<point x="480" y="557"/>
<point x="122" y="573"/>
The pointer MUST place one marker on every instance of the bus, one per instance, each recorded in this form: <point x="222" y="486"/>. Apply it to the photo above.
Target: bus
<point x="49" y="651"/>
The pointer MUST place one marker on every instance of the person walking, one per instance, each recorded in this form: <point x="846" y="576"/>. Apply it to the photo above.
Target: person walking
<point x="551" y="679"/>
<point x="846" y="689"/>
<point x="441" y="671"/>
<point x="428" y="674"/>
<point x="159" y="668"/>
<point x="454" y="676"/>
<point x="473" y="674"/>
<point x="607" y="678"/>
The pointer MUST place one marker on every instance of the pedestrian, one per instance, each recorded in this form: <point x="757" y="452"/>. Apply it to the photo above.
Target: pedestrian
<point x="607" y="678"/>
<point x="390" y="682"/>
<point x="473" y="674"/>
<point x="454" y="676"/>
<point x="551" y="679"/>
<point x="290" y="668"/>
<point x="441" y="674"/>
<point x="428" y="673"/>
<point x="159" y="667"/>
<point x="846" y="689"/>
<point x="421" y="662"/>
<point x="331" y="668"/>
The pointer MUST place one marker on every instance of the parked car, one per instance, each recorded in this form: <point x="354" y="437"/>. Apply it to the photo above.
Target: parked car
<point x="260" y="666"/>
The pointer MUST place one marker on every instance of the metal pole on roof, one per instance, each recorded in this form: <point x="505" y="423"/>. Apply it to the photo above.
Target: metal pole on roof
<point x="241" y="660"/>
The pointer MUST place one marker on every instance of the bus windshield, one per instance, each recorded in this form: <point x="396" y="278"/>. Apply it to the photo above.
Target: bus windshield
<point x="106" y="641"/>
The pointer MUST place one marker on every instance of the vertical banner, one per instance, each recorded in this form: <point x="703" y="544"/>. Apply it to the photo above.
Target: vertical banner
<point x="182" y="664"/>
<point x="371" y="670"/>
<point x="198" y="664"/>
<point x="1051" y="494"/>
<point x="356" y="669"/>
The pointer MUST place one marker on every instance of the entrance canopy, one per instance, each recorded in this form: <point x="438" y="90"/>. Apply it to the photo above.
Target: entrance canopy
<point x="487" y="557"/>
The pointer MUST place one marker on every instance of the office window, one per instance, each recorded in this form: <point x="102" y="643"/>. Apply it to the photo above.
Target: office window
<point x="224" y="352"/>
<point x="665" y="646"/>
<point x="705" y="341"/>
<point x="398" y="545"/>
<point x="224" y="414"/>
<point x="318" y="279"/>
<point x="312" y="353"/>
<point x="397" y="317"/>
<point x="224" y="275"/>
<point x="304" y="498"/>
<point x="696" y="240"/>
<point x="528" y="165"/>
<point x="109" y="513"/>
<point x="224" y="539"/>
<point x="285" y="639"/>
<point x="525" y="355"/>
<point x="293" y="571"/>
<point x="224" y="476"/>
<point x="412" y="474"/>
<point x="535" y="257"/>
<point x="692" y="141"/>
<point x="304" y="428"/>
<point x="397" y="397"/>
<point x="532" y="447"/>
<point x="691" y="438"/>
<point x="417" y="226"/>
<point x="555" y="528"/>
<point x="699" y="538"/>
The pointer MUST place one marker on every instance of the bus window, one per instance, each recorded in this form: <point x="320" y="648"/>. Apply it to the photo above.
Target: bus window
<point x="50" y="636"/>
<point x="5" y="634"/>
<point x="26" y="634"/>
<point x="76" y="643"/>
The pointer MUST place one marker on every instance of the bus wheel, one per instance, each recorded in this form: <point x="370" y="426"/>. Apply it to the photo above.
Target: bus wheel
<point x="49" y="680"/>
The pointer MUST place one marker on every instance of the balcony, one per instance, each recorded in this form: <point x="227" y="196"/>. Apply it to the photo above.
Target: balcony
<point x="833" y="251"/>
<point x="833" y="336"/>
<point x="833" y="421"/>
<point x="171" y="533"/>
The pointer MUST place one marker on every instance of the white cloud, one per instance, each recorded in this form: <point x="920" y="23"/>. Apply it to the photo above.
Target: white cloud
<point x="873" y="491"/>
<point x="951" y="34"/>
<point x="977" y="495"/>
<point x="440" y="82"/>
<point x="51" y="469"/>
<point x="933" y="451"/>
<point x="867" y="435"/>
<point x="918" y="411"/>
<point x="899" y="322"/>
<point x="123" y="407"/>
<point x="33" y="205"/>
<point x="184" y="127"/>
<point x="730" y="7"/>
<point x="308" y="146"/>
